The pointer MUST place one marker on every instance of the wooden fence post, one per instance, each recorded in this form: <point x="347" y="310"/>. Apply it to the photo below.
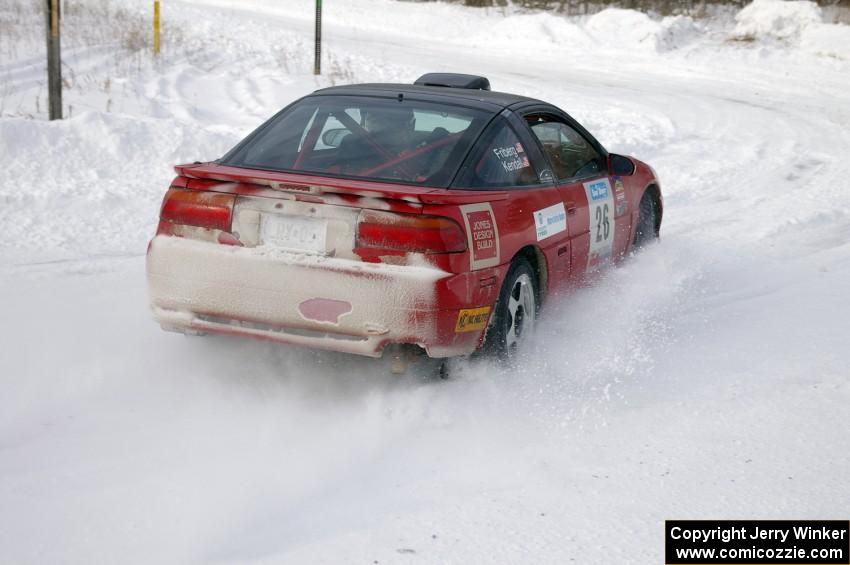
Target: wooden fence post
<point x="317" y="66"/>
<point x="54" y="61"/>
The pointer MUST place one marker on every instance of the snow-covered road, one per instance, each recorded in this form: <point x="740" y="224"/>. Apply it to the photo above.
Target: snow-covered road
<point x="706" y="378"/>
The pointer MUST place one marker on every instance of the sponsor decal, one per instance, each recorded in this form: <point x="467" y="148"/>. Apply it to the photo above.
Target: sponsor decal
<point x="482" y="233"/>
<point x="510" y="157"/>
<point x="472" y="319"/>
<point x="618" y="185"/>
<point x="620" y="196"/>
<point x="598" y="190"/>
<point x="550" y="221"/>
<point x="601" y="209"/>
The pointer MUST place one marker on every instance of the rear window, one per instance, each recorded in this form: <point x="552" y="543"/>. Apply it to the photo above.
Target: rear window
<point x="364" y="138"/>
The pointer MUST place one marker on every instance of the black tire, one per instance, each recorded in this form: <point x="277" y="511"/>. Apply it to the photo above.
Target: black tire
<point x="516" y="311"/>
<point x="646" y="231"/>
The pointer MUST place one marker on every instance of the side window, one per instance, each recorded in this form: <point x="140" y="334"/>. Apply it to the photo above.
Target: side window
<point x="499" y="160"/>
<point x="571" y="154"/>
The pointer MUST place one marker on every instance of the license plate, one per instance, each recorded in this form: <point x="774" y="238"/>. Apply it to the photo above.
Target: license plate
<point x="293" y="232"/>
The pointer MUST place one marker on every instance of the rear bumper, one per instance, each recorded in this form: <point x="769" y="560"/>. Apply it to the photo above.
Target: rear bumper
<point x="321" y="302"/>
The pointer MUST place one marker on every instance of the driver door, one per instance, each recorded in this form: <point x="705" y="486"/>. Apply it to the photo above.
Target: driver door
<point x="593" y="217"/>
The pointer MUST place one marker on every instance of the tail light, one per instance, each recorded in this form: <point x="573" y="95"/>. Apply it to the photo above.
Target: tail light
<point x="199" y="208"/>
<point x="409" y="233"/>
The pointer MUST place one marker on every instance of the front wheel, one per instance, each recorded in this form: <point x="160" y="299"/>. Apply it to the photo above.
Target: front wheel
<point x="516" y="311"/>
<point x="646" y="231"/>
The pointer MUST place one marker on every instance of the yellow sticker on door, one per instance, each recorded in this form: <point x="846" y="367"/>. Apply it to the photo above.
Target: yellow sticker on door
<point x="472" y="319"/>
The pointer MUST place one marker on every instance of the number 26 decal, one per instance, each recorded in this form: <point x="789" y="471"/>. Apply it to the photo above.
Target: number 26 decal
<point x="600" y="199"/>
<point x="603" y="224"/>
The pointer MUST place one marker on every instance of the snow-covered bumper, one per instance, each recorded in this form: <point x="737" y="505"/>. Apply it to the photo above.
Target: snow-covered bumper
<point x="322" y="302"/>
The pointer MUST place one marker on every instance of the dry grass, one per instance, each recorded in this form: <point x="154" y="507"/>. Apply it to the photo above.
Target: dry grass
<point x="744" y="38"/>
<point x="125" y="32"/>
<point x="85" y="23"/>
<point x="339" y="72"/>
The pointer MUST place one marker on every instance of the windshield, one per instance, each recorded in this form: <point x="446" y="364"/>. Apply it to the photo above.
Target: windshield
<point x="366" y="138"/>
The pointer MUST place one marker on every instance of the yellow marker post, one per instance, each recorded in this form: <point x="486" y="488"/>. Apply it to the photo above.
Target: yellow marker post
<point x="156" y="27"/>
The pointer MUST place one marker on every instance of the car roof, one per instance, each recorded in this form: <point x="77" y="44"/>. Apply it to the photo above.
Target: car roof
<point x="483" y="99"/>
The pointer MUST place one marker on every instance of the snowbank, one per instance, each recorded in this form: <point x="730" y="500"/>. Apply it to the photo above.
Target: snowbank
<point x="520" y="31"/>
<point x="629" y="29"/>
<point x="828" y="40"/>
<point x="611" y="29"/>
<point x="796" y="24"/>
<point x="71" y="186"/>
<point x="776" y="19"/>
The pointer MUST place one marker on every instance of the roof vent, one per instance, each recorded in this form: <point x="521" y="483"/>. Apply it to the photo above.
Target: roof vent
<point x="453" y="80"/>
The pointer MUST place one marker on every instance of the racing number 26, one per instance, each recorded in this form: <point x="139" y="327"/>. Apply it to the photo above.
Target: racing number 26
<point x="603" y="225"/>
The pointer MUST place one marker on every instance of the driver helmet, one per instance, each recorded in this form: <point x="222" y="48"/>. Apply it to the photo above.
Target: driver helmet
<point x="389" y="120"/>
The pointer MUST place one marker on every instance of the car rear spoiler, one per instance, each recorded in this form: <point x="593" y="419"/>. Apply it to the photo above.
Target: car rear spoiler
<point x="309" y="185"/>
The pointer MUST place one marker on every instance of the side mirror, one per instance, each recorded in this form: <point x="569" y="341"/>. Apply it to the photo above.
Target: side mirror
<point x="334" y="137"/>
<point x="622" y="166"/>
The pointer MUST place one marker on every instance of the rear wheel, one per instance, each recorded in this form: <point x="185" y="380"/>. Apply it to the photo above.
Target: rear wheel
<point x="516" y="311"/>
<point x="646" y="231"/>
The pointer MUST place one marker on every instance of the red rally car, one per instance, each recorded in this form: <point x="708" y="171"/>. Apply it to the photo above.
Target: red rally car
<point x="438" y="215"/>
